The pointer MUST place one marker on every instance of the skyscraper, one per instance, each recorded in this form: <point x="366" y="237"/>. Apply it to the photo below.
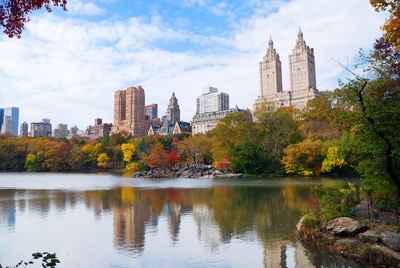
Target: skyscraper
<point x="303" y="85"/>
<point x="173" y="111"/>
<point x="129" y="111"/>
<point x="9" y="120"/>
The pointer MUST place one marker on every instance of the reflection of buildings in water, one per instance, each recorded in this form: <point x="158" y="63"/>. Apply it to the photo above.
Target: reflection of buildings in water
<point x="39" y="201"/>
<point x="129" y="226"/>
<point x="174" y="219"/>
<point x="7" y="213"/>
<point x="284" y="254"/>
<point x="208" y="231"/>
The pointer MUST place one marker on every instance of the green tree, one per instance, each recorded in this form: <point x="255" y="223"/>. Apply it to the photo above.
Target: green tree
<point x="279" y="129"/>
<point x="247" y="158"/>
<point x="232" y="130"/>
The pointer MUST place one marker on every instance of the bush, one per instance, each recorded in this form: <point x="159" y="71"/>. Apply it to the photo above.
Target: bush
<point x="336" y="201"/>
<point x="370" y="254"/>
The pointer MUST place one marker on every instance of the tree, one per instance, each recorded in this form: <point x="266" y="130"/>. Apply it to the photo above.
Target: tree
<point x="280" y="129"/>
<point x="248" y="158"/>
<point x="14" y="13"/>
<point x="392" y="24"/>
<point x="195" y="149"/>
<point x="157" y="158"/>
<point x="128" y="150"/>
<point x="334" y="160"/>
<point x="319" y="119"/>
<point x="172" y="158"/>
<point x="304" y="158"/>
<point x="103" y="160"/>
<point x="376" y="102"/>
<point x="233" y="129"/>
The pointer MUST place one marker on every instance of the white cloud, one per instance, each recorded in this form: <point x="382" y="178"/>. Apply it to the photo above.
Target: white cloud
<point x="218" y="9"/>
<point x="76" y="7"/>
<point x="68" y="69"/>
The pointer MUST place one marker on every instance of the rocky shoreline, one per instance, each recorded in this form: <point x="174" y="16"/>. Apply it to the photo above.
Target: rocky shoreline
<point x="193" y="171"/>
<point x="350" y="238"/>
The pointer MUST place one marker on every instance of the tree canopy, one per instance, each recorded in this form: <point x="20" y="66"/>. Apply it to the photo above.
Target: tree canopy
<point x="392" y="24"/>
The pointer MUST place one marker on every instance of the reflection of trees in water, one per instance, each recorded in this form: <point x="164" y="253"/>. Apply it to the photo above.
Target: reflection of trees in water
<point x="221" y="213"/>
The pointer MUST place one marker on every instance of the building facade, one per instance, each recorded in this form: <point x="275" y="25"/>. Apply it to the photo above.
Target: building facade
<point x="9" y="120"/>
<point x="152" y="111"/>
<point x="173" y="111"/>
<point x="98" y="130"/>
<point x="204" y="122"/>
<point x="41" y="128"/>
<point x="60" y="131"/>
<point x="303" y="85"/>
<point x="211" y="101"/>
<point x="170" y="127"/>
<point x="211" y="106"/>
<point x="129" y="111"/>
<point x="23" y="130"/>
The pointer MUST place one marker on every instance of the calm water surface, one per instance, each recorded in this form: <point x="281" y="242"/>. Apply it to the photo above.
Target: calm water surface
<point x="112" y="220"/>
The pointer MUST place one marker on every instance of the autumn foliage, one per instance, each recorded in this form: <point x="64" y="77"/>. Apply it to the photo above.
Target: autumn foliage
<point x="392" y="24"/>
<point x="14" y="13"/>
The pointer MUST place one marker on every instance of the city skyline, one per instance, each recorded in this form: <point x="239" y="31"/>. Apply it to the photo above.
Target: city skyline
<point x="67" y="66"/>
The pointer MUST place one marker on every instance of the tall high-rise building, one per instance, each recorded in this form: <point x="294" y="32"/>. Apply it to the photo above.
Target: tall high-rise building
<point x="303" y="85"/>
<point x="152" y="111"/>
<point x="270" y="71"/>
<point x="129" y="111"/>
<point x="173" y="111"/>
<point x="211" y="106"/>
<point x="23" y="130"/>
<point x="9" y="120"/>
<point x="212" y="101"/>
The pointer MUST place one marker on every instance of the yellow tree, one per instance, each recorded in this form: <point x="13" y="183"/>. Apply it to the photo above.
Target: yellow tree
<point x="128" y="150"/>
<point x="392" y="24"/>
<point x="103" y="160"/>
<point x="304" y="158"/>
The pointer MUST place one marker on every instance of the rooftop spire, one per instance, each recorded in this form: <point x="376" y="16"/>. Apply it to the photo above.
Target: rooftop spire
<point x="300" y="35"/>
<point x="270" y="44"/>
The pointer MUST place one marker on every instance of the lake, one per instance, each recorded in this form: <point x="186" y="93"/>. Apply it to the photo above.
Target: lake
<point x="113" y="220"/>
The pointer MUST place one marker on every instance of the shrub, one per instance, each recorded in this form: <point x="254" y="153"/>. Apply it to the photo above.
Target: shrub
<point x="336" y="201"/>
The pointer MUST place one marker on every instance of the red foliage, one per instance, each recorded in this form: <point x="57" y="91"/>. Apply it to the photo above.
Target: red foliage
<point x="14" y="13"/>
<point x="173" y="158"/>
<point x="222" y="165"/>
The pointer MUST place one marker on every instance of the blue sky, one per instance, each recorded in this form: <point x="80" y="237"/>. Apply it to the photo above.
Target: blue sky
<point x="67" y="66"/>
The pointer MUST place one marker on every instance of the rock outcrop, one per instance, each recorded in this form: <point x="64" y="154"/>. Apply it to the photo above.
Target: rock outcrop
<point x="345" y="226"/>
<point x="346" y="236"/>
<point x="193" y="171"/>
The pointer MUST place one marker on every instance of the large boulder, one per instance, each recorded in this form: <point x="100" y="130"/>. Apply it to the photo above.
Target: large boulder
<point x="369" y="236"/>
<point x="391" y="240"/>
<point x="345" y="226"/>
